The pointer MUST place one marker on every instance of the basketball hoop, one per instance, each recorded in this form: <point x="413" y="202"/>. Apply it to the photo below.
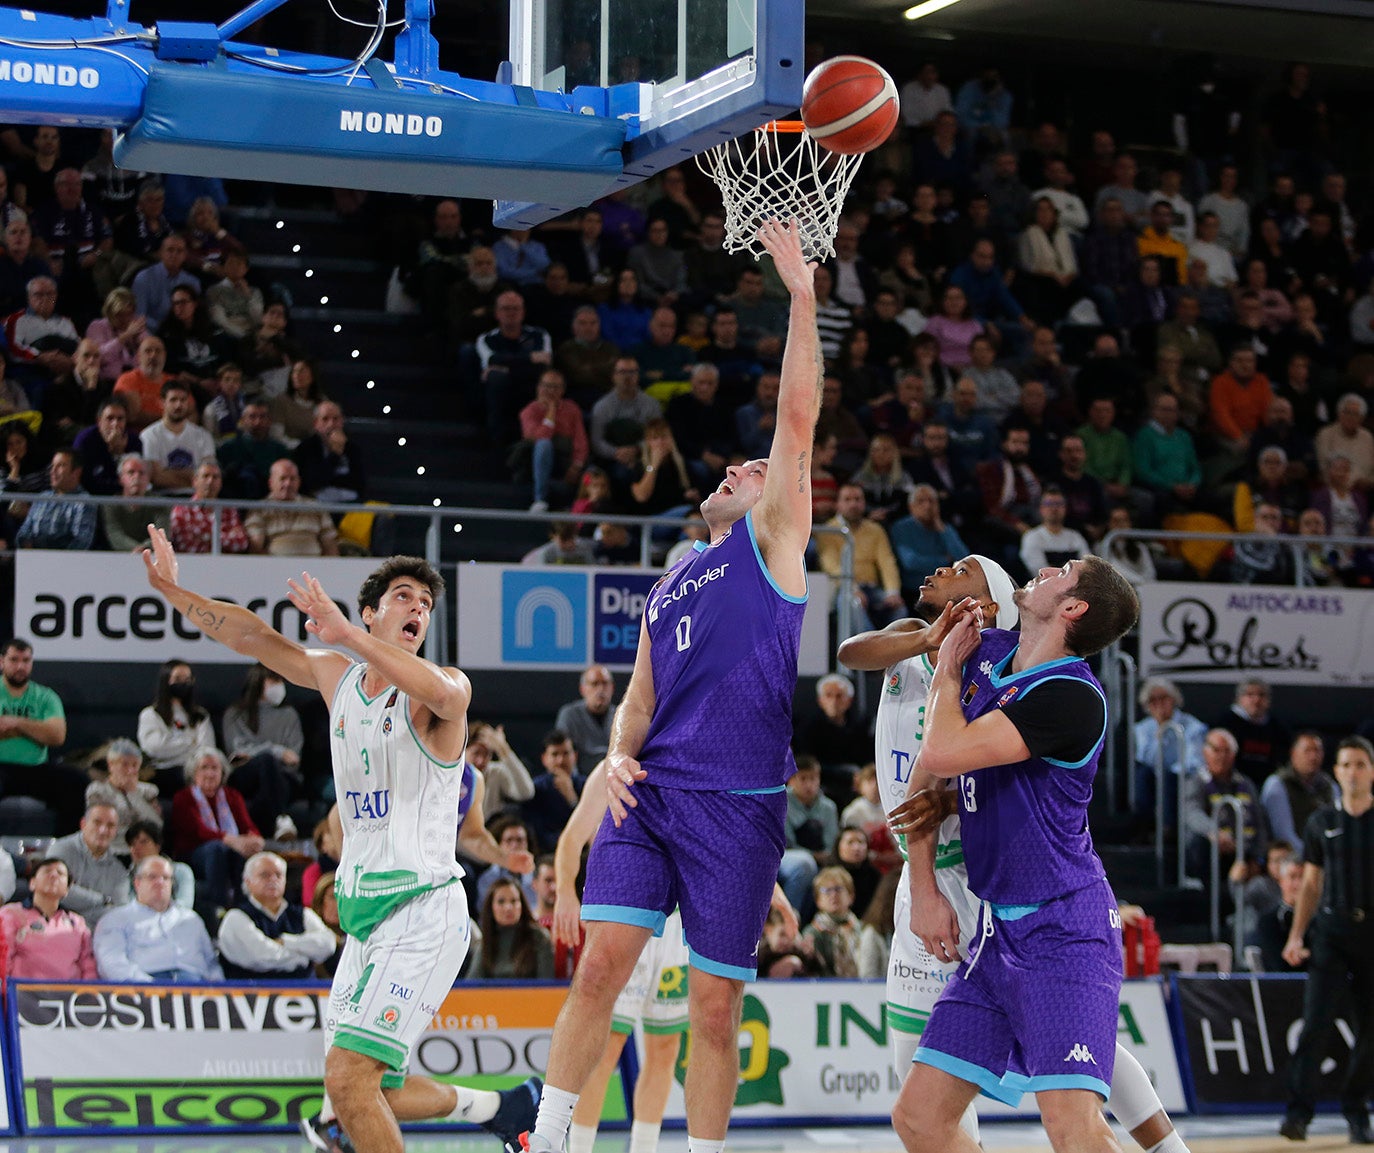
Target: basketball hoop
<point x="779" y="172"/>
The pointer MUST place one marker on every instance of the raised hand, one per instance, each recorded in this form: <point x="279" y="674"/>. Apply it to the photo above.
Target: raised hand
<point x="963" y="638"/>
<point x="621" y="774"/>
<point x="519" y="861"/>
<point x="160" y="561"/>
<point x="783" y="244"/>
<point x="324" y="618"/>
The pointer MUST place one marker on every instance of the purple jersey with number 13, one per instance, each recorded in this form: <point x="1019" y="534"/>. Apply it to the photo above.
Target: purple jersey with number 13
<point x="723" y="644"/>
<point x="1025" y="826"/>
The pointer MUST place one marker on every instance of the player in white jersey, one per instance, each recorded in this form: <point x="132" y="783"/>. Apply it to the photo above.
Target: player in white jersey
<point x="398" y="724"/>
<point x="918" y="970"/>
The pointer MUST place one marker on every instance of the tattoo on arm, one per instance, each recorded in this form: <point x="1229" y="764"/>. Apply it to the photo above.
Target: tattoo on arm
<point x="801" y="472"/>
<point x="208" y="620"/>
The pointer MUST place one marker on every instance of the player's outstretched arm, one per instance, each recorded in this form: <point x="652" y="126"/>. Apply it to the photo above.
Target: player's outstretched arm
<point x="782" y="517"/>
<point x="445" y="692"/>
<point x="237" y="627"/>
<point x="475" y="839"/>
<point x="882" y="648"/>
<point x="627" y="734"/>
<point x="567" y="857"/>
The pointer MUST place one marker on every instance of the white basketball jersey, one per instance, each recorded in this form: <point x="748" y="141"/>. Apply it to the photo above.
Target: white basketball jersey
<point x="398" y="805"/>
<point x="898" y="730"/>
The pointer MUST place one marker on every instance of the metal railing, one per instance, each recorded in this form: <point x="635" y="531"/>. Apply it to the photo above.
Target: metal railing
<point x="1162" y="773"/>
<point x="1237" y="807"/>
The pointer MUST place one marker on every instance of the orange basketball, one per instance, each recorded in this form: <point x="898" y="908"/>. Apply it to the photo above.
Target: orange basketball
<point x="849" y="105"/>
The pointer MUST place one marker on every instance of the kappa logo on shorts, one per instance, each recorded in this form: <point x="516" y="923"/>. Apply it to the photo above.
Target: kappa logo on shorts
<point x="1080" y="1053"/>
<point x="390" y="1017"/>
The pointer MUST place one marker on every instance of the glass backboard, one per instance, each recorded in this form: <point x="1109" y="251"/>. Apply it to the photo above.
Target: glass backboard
<point x="706" y="70"/>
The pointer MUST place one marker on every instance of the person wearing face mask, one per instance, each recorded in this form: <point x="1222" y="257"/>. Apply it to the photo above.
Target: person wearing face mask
<point x="173" y="726"/>
<point x="262" y="735"/>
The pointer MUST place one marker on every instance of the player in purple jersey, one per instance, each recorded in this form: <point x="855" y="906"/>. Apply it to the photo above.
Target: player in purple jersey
<point x="1020" y="720"/>
<point x="699" y="754"/>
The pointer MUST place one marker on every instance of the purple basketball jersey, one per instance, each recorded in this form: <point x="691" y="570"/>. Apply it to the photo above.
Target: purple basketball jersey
<point x="1025" y="826"/>
<point x="465" y="792"/>
<point x="724" y="642"/>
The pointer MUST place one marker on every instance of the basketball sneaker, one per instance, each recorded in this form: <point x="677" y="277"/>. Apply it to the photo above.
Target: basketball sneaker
<point x="516" y="1113"/>
<point x="326" y="1136"/>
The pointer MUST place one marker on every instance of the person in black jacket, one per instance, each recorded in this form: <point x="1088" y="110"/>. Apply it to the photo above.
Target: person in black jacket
<point x="1337" y="902"/>
<point x="331" y="465"/>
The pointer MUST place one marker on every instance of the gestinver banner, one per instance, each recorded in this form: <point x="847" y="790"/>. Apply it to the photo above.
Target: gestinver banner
<point x="138" y="1058"/>
<point x="1294" y="636"/>
<point x="819" y="1050"/>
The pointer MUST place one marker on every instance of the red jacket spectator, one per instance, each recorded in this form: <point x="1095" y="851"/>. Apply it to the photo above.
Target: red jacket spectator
<point x="190" y="829"/>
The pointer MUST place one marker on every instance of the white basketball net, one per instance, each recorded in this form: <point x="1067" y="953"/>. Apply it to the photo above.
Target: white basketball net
<point x="780" y="175"/>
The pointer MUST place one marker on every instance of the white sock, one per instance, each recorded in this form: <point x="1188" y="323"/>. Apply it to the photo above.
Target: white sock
<point x="327" y="1113"/>
<point x="969" y="1121"/>
<point x="701" y="1145"/>
<point x="1173" y="1143"/>
<point x="581" y="1138"/>
<point x="644" y="1136"/>
<point x="555" y="1115"/>
<point x="1133" y="1100"/>
<point x="474" y="1105"/>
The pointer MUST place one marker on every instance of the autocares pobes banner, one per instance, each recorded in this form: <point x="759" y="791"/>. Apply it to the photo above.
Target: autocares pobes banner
<point x="98" y="606"/>
<point x="1295" y="636"/>
<point x="819" y="1051"/>
<point x="138" y="1058"/>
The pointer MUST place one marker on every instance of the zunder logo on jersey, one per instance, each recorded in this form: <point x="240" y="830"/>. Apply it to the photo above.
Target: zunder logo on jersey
<point x="894" y="684"/>
<point x="1006" y="696"/>
<point x="686" y="588"/>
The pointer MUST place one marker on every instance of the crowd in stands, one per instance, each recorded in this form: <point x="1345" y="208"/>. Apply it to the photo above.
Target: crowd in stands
<point x="1029" y="342"/>
<point x="143" y="355"/>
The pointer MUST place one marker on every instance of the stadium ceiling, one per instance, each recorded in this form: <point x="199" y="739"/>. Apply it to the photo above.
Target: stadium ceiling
<point x="1331" y="32"/>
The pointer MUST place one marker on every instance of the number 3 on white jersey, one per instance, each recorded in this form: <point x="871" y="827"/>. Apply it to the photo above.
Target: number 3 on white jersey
<point x="684" y="634"/>
<point x="968" y="785"/>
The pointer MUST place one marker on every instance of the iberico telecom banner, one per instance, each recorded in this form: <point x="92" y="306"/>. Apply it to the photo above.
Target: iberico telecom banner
<point x="150" y="1059"/>
<point x="819" y="1051"/>
<point x="1293" y="636"/>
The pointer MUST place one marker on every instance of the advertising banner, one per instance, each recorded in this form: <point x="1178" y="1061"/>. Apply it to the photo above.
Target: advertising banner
<point x="516" y="616"/>
<point x="138" y="1058"/>
<point x="1294" y="636"/>
<point x="7" y="1116"/>
<point x="98" y="606"/>
<point x="818" y="1051"/>
<point x="1239" y="1034"/>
